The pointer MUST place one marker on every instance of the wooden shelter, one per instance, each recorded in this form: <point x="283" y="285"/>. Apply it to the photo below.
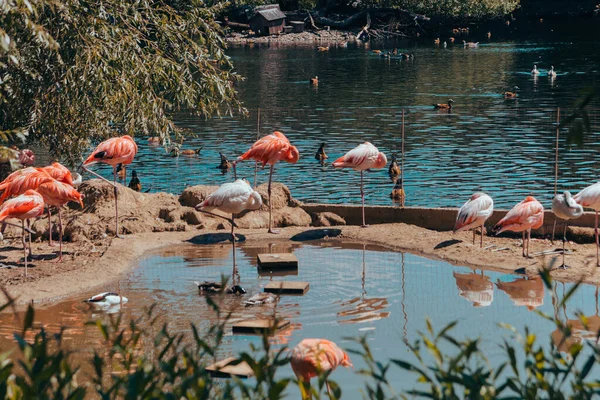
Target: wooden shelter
<point x="267" y="20"/>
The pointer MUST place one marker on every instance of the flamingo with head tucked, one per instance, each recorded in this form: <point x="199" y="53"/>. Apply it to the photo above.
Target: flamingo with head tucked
<point x="361" y="158"/>
<point x="269" y="150"/>
<point x="590" y="198"/>
<point x="114" y="151"/>
<point x="527" y="215"/>
<point x="474" y="213"/>
<point x="62" y="174"/>
<point x="28" y="205"/>
<point x="312" y="357"/>
<point x="58" y="194"/>
<point x="564" y="207"/>
<point x="232" y="198"/>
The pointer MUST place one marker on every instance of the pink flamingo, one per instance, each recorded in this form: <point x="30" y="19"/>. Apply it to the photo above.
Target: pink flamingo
<point x="590" y="198"/>
<point x="312" y="357"/>
<point x="23" y="207"/>
<point x="231" y="198"/>
<point x="114" y="151"/>
<point x="361" y="158"/>
<point x="474" y="213"/>
<point x="62" y="174"/>
<point x="57" y="194"/>
<point x="527" y="215"/>
<point x="565" y="208"/>
<point x="269" y="150"/>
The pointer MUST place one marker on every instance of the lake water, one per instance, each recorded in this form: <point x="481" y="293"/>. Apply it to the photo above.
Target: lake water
<point x="505" y="148"/>
<point x="355" y="290"/>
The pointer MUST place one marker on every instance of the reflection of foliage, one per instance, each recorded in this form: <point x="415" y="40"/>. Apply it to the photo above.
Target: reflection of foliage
<point x="448" y="8"/>
<point x="579" y="121"/>
<point x="76" y="70"/>
<point x="174" y="369"/>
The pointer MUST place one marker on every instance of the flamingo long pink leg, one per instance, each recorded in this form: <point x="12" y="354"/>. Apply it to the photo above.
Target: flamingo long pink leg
<point x="233" y="277"/>
<point x="60" y="236"/>
<point x="553" y="229"/>
<point x="270" y="202"/>
<point x="30" y="231"/>
<point x="597" y="244"/>
<point x="49" y="227"/>
<point x="564" y="241"/>
<point x="481" y="242"/>
<point x="24" y="245"/>
<point x="528" y="240"/>
<point x="523" y="243"/>
<point x="473" y="237"/>
<point x="362" y="197"/>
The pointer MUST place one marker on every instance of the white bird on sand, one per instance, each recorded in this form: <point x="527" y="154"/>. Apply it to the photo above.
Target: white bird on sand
<point x="552" y="73"/>
<point x="261" y="298"/>
<point x="231" y="198"/>
<point x="535" y="71"/>
<point x="564" y="207"/>
<point x="474" y="213"/>
<point x="590" y="198"/>
<point x="106" y="299"/>
<point x="361" y="158"/>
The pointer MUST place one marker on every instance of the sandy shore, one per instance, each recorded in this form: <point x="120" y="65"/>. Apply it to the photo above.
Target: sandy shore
<point x="83" y="269"/>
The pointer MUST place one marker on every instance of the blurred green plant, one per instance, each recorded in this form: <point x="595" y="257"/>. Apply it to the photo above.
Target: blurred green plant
<point x="72" y="71"/>
<point x="174" y="369"/>
<point x="578" y="122"/>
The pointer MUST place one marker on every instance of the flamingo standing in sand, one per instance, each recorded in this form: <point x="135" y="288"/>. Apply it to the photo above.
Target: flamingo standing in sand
<point x="231" y="198"/>
<point x="312" y="357"/>
<point x="590" y="198"/>
<point x="114" y="151"/>
<point x="62" y="174"/>
<point x="361" y="158"/>
<point x="564" y="207"/>
<point x="23" y="207"/>
<point x="269" y="150"/>
<point x="474" y="213"/>
<point x="21" y="181"/>
<point x="58" y="194"/>
<point x="527" y="215"/>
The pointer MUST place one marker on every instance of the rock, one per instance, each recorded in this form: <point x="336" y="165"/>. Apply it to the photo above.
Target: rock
<point x="327" y="219"/>
<point x="194" y="195"/>
<point x="291" y="216"/>
<point x="280" y="195"/>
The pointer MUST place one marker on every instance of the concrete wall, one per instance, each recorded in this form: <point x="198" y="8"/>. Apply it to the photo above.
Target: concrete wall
<point x="439" y="219"/>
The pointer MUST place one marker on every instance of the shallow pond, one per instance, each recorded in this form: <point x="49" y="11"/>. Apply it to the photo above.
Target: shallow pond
<point x="355" y="289"/>
<point x="503" y="147"/>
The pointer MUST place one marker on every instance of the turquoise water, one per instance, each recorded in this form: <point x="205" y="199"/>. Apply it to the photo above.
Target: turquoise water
<point x="355" y="290"/>
<point x="505" y="148"/>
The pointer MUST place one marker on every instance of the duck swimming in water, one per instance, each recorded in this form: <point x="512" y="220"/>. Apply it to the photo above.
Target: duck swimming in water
<point x="225" y="164"/>
<point x="398" y="193"/>
<point x="321" y="156"/>
<point x="535" y="71"/>
<point x="394" y="169"/>
<point x="106" y="299"/>
<point x="314" y="81"/>
<point x="552" y="73"/>
<point x="135" y="183"/>
<point x="261" y="298"/>
<point x="511" y="95"/>
<point x="216" y="287"/>
<point x="443" y="106"/>
<point x="189" y="152"/>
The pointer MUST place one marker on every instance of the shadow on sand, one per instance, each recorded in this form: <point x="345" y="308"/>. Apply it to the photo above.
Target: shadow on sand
<point x="214" y="238"/>
<point x="316" y="234"/>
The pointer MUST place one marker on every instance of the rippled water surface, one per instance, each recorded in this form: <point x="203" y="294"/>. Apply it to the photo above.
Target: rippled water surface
<point x="503" y="147"/>
<point x="354" y="290"/>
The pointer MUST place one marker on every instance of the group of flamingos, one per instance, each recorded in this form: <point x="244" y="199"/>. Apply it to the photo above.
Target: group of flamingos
<point x="53" y="186"/>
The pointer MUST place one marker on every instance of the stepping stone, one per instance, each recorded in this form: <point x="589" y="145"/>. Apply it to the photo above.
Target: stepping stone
<point x="258" y="326"/>
<point x="279" y="287"/>
<point x="222" y="369"/>
<point x="277" y="261"/>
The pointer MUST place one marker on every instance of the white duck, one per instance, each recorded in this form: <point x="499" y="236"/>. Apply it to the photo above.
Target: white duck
<point x="552" y="72"/>
<point x="260" y="299"/>
<point x="565" y="207"/>
<point x="535" y="71"/>
<point x="106" y="299"/>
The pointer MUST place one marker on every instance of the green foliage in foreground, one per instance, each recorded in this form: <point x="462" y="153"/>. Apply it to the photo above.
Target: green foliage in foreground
<point x="175" y="370"/>
<point x="72" y="71"/>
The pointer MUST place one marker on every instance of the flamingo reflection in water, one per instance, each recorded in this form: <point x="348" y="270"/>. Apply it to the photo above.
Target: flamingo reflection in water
<point x="476" y="288"/>
<point x="362" y="309"/>
<point x="577" y="330"/>
<point x="528" y="292"/>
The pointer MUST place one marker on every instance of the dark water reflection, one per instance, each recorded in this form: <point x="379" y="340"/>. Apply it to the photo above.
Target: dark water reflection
<point x="355" y="290"/>
<point x="503" y="147"/>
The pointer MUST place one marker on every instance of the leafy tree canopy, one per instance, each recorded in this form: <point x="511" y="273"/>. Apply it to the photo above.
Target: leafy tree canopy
<point x="72" y="71"/>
